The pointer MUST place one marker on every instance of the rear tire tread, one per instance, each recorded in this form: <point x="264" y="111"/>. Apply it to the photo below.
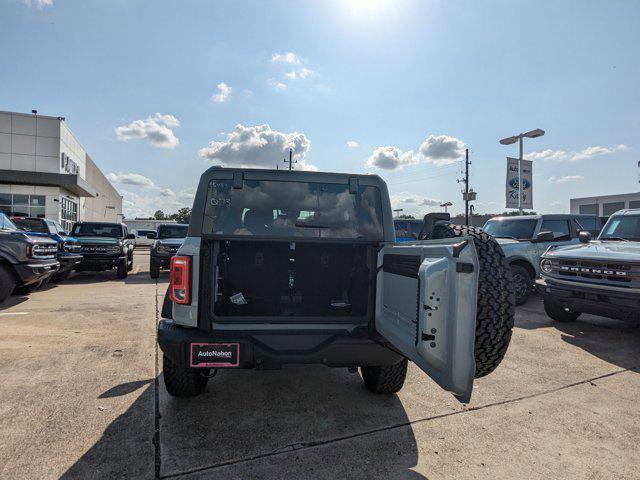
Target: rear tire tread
<point x="385" y="379"/>
<point x="496" y="299"/>
<point x="182" y="381"/>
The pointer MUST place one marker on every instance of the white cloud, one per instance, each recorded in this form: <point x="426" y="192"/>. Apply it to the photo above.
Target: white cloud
<point x="290" y="58"/>
<point x="167" y="192"/>
<point x="300" y="74"/>
<point x="439" y="150"/>
<point x="406" y="198"/>
<point x="442" y="150"/>
<point x="39" y="3"/>
<point x="258" y="146"/>
<point x="224" y="91"/>
<point x="136" y="205"/>
<point x="566" y="179"/>
<point x="549" y="155"/>
<point x="130" y="179"/>
<point x="391" y="158"/>
<point x="189" y="194"/>
<point x="156" y="128"/>
<point x="352" y="144"/>
<point x="575" y="156"/>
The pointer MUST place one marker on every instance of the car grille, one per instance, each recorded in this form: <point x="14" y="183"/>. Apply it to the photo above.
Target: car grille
<point x="44" y="251"/>
<point x="100" y="249"/>
<point x="621" y="273"/>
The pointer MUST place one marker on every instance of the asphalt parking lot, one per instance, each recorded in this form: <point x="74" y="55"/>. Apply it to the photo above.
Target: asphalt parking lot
<point x="81" y="396"/>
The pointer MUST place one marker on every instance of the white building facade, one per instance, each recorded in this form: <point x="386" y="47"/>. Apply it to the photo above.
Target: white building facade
<point x="605" y="205"/>
<point x="45" y="172"/>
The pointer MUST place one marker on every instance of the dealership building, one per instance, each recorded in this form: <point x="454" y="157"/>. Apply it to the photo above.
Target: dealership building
<point x="605" y="205"/>
<point x="45" y="172"/>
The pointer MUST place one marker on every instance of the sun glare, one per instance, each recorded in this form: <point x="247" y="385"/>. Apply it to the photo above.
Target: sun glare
<point x="368" y="6"/>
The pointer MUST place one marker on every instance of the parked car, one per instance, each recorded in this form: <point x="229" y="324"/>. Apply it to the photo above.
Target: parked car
<point x="143" y="239"/>
<point x="525" y="238"/>
<point x="166" y="242"/>
<point x="601" y="277"/>
<point x="105" y="246"/>
<point x="69" y="248"/>
<point x="407" y="230"/>
<point x="25" y="261"/>
<point x="284" y="267"/>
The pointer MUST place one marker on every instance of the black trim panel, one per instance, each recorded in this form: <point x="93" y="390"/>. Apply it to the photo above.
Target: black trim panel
<point x="403" y="265"/>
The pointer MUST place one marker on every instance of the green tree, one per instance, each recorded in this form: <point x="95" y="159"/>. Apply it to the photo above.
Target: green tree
<point x="159" y="215"/>
<point x="406" y="217"/>
<point x="183" y="215"/>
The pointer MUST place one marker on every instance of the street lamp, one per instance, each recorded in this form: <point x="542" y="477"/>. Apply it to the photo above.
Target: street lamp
<point x="397" y="211"/>
<point x="445" y="205"/>
<point x="538" y="132"/>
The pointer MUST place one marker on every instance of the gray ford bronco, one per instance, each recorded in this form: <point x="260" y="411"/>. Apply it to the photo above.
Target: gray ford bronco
<point x="300" y="267"/>
<point x="601" y="277"/>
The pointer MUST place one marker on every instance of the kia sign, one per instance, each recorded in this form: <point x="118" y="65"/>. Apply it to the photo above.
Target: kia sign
<point x="512" y="187"/>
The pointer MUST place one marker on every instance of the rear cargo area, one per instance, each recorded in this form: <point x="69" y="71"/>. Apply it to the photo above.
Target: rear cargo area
<point x="294" y="279"/>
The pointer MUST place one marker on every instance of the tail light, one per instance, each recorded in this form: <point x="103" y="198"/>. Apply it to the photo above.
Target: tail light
<point x="179" y="287"/>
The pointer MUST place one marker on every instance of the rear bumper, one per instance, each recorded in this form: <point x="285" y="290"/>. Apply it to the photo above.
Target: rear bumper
<point x="34" y="272"/>
<point x="592" y="299"/>
<point x="273" y="349"/>
<point x="96" y="264"/>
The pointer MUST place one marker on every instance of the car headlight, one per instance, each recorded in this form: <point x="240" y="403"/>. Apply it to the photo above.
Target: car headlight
<point x="546" y="265"/>
<point x="114" y="249"/>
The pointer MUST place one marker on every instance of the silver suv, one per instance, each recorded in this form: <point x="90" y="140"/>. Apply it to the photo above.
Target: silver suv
<point x="525" y="238"/>
<point x="302" y="268"/>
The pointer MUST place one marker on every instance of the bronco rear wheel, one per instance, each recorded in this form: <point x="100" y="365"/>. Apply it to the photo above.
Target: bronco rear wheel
<point x="496" y="300"/>
<point x="7" y="283"/>
<point x="385" y="379"/>
<point x="182" y="381"/>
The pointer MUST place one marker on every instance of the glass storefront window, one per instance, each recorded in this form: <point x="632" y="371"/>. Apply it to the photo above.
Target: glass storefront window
<point x="18" y="205"/>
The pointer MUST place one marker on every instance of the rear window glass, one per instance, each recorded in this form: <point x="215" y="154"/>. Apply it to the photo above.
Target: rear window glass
<point x="172" y="231"/>
<point x="293" y="209"/>
<point x="97" y="230"/>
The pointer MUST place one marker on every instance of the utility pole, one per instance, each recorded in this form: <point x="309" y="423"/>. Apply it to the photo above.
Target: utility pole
<point x="290" y="161"/>
<point x="467" y="195"/>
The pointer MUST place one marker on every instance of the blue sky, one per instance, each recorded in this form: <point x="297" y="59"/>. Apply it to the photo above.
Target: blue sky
<point x="147" y="86"/>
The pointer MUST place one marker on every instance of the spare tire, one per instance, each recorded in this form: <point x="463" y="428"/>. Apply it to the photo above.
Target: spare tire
<point x="496" y="298"/>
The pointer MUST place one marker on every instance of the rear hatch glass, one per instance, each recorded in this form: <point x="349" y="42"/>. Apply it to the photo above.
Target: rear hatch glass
<point x="293" y="209"/>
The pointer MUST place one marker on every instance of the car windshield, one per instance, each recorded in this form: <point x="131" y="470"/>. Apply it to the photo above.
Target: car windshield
<point x="31" y="225"/>
<point x="6" y="224"/>
<point x="506" y="228"/>
<point x="172" y="231"/>
<point x="97" y="230"/>
<point x="625" y="227"/>
<point x="144" y="233"/>
<point x="293" y="209"/>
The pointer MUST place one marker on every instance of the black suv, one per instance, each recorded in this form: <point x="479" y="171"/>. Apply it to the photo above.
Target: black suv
<point x="105" y="246"/>
<point x="25" y="262"/>
<point x="168" y="239"/>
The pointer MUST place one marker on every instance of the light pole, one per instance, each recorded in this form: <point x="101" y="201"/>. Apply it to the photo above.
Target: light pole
<point x="397" y="211"/>
<point x="538" y="132"/>
<point x="445" y="205"/>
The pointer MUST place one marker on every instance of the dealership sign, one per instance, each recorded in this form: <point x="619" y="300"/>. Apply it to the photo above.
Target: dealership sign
<point x="513" y="189"/>
<point x="69" y="165"/>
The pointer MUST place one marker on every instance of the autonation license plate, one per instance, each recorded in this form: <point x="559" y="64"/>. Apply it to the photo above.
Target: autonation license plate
<point x="215" y="355"/>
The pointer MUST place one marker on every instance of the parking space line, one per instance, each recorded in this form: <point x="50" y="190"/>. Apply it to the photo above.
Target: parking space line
<point x="313" y="444"/>
<point x="14" y="313"/>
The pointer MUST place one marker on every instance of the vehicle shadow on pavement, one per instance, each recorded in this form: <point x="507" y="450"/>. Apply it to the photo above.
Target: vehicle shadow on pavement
<point x="83" y="278"/>
<point x="13" y="300"/>
<point x="312" y="422"/>
<point x="614" y="341"/>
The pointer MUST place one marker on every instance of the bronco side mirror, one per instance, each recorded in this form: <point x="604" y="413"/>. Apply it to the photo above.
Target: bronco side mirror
<point x="584" y="237"/>
<point x="545" y="237"/>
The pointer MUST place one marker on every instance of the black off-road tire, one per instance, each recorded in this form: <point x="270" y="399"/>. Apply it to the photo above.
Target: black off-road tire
<point x="386" y="379"/>
<point x="496" y="300"/>
<point x="522" y="283"/>
<point x="60" y="277"/>
<point x="555" y="310"/>
<point x="130" y="262"/>
<point x="7" y="283"/>
<point x="154" y="269"/>
<point x="122" y="270"/>
<point x="182" y="381"/>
